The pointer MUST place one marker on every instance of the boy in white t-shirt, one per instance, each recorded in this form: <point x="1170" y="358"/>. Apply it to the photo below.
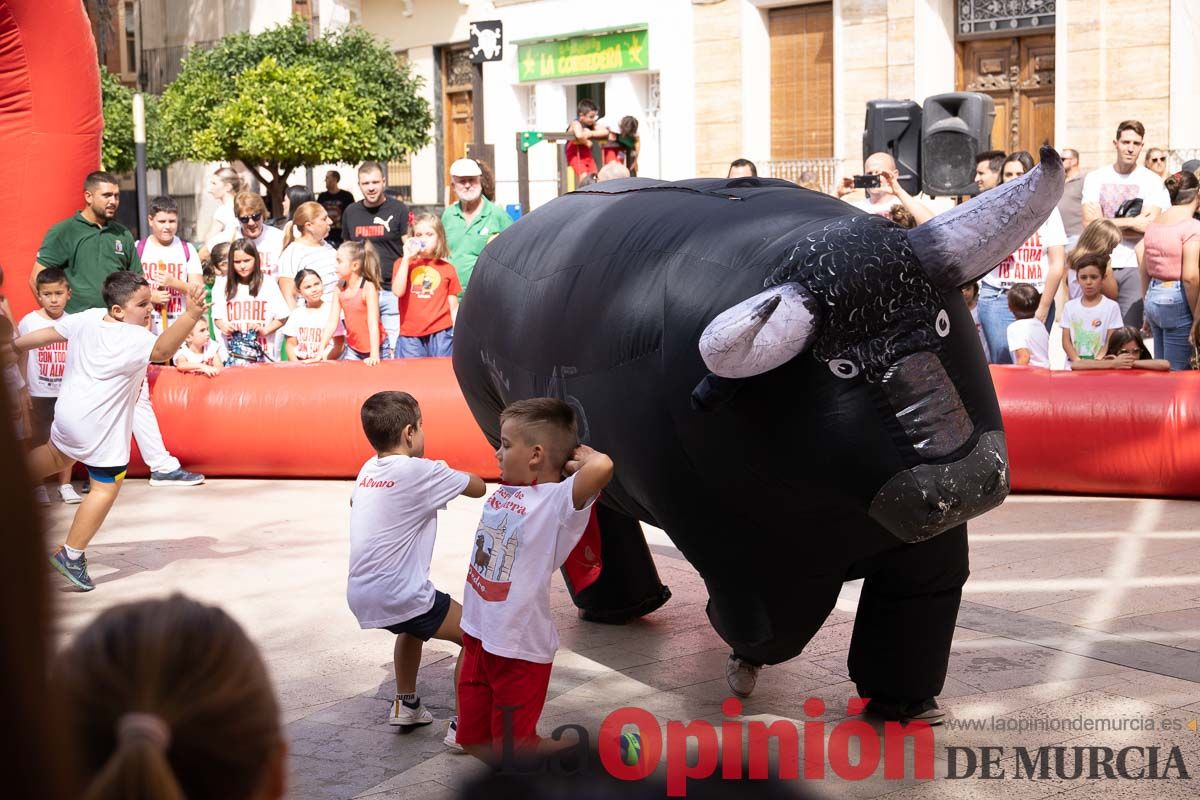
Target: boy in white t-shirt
<point x="529" y="526"/>
<point x="169" y="262"/>
<point x="1090" y="319"/>
<point x="93" y="421"/>
<point x="44" y="369"/>
<point x="1028" y="339"/>
<point x="393" y="522"/>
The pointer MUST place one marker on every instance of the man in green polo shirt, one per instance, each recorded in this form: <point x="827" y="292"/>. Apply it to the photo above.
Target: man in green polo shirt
<point x="89" y="247"/>
<point x="472" y="221"/>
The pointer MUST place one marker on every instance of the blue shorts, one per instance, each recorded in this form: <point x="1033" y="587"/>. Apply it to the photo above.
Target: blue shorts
<point x="427" y="624"/>
<point x="105" y="474"/>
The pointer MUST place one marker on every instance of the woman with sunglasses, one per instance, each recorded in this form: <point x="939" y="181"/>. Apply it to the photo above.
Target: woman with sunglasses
<point x="1156" y="161"/>
<point x="1169" y="262"/>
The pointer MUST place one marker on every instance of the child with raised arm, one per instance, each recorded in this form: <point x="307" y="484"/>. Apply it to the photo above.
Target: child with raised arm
<point x="529" y="526"/>
<point x="110" y="349"/>
<point x="393" y="522"/>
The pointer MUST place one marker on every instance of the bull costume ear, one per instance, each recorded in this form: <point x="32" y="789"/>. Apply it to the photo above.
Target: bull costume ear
<point x="761" y="332"/>
<point x="962" y="245"/>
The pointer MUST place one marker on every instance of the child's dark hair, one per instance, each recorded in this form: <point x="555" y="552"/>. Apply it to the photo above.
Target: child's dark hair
<point x="168" y="699"/>
<point x="1023" y="300"/>
<point x="51" y="275"/>
<point x="629" y="126"/>
<point x="302" y="275"/>
<point x="547" y="421"/>
<point x="232" y="279"/>
<point x="1123" y="336"/>
<point x="586" y="106"/>
<point x="902" y="216"/>
<point x="219" y="254"/>
<point x="973" y="286"/>
<point x="163" y="203"/>
<point x="120" y="286"/>
<point x="385" y="415"/>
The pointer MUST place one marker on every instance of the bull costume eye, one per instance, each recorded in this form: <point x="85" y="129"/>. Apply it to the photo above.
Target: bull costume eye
<point x="942" y="324"/>
<point x="843" y="368"/>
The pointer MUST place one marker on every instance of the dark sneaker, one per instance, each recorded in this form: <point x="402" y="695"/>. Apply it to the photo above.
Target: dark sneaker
<point x="180" y="477"/>
<point x="926" y="711"/>
<point x="73" y="570"/>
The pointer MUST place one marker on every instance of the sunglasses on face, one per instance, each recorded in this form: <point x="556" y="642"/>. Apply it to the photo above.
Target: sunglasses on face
<point x="251" y="218"/>
<point x="1158" y="160"/>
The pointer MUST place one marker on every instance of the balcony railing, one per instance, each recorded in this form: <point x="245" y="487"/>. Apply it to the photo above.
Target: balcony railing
<point x="820" y="172"/>
<point x="161" y="65"/>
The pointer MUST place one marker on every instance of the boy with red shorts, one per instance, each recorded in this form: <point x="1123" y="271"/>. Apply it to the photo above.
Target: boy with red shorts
<point x="529" y="526"/>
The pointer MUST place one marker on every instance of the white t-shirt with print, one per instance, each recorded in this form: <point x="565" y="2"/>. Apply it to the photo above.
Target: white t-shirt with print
<point x="246" y="309"/>
<point x="321" y="260"/>
<point x="1031" y="335"/>
<point x="393" y="522"/>
<point x="307" y="325"/>
<point x="524" y="535"/>
<point x="106" y="365"/>
<point x="1090" y="326"/>
<point x="1108" y="189"/>
<point x="167" y="261"/>
<point x="45" y="365"/>
<point x="1030" y="262"/>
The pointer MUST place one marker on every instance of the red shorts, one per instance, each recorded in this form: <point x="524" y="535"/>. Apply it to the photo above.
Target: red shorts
<point x="492" y="688"/>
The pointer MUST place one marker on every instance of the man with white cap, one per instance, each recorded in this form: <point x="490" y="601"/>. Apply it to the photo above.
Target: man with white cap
<point x="472" y="221"/>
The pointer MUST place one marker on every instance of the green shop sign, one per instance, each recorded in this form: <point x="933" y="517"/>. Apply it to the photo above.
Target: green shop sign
<point x="584" y="55"/>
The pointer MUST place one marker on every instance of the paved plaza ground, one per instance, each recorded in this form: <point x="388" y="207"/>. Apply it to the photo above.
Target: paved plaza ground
<point x="1077" y="609"/>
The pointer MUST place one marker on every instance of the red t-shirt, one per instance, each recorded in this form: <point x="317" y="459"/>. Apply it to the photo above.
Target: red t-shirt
<point x="425" y="307"/>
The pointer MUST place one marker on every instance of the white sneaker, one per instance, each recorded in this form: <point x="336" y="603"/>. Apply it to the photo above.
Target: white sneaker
<point x="741" y="676"/>
<point x="405" y="716"/>
<point x="39" y="494"/>
<point x="451" y="739"/>
<point x="69" y="495"/>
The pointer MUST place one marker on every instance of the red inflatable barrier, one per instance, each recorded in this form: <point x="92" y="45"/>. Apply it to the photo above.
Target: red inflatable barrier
<point x="301" y="420"/>
<point x="1106" y="433"/>
<point x="1126" y="432"/>
<point x="50" y="127"/>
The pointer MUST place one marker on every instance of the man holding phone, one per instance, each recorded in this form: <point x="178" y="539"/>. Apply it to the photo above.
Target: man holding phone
<point x="881" y="181"/>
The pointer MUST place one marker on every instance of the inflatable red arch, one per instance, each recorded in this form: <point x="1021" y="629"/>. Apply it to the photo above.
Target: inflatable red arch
<point x="1121" y="433"/>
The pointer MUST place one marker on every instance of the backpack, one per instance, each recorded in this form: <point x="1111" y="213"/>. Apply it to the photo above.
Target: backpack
<point x="187" y="251"/>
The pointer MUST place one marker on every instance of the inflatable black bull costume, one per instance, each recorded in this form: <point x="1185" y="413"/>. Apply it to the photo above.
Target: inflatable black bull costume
<point x="794" y="391"/>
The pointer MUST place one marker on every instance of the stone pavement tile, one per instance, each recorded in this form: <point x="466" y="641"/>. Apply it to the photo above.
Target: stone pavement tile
<point x="998" y="663"/>
<point x="614" y="656"/>
<point x="1179" y="628"/>
<point x="996" y="703"/>
<point x="426" y="790"/>
<point x="673" y="673"/>
<point x="321" y="779"/>
<point x="1160" y="690"/>
<point x="395" y="748"/>
<point x="450" y="769"/>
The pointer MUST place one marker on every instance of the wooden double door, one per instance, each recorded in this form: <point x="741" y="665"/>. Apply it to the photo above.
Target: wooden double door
<point x="1018" y="74"/>
<point x="458" y="102"/>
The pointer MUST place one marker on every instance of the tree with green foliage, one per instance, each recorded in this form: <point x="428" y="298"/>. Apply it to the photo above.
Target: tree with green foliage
<point x="116" y="146"/>
<point x="278" y="101"/>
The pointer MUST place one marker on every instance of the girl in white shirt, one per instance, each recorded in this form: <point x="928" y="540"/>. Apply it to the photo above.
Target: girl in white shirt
<point x="305" y="248"/>
<point x="306" y="324"/>
<point x="247" y="308"/>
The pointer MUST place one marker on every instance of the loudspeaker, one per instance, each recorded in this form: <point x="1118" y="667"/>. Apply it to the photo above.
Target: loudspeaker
<point x="894" y="127"/>
<point x="955" y="128"/>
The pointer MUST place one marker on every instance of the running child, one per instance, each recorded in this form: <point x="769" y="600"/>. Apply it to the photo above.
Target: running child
<point x="393" y="522"/>
<point x="429" y="306"/>
<point x="93" y="421"/>
<point x="1028" y="339"/>
<point x="357" y="302"/>
<point x="168" y="261"/>
<point x="529" y="526"/>
<point x="200" y="353"/>
<point x="305" y="327"/>
<point x="248" y="307"/>
<point x="1088" y="320"/>
<point x="44" y="369"/>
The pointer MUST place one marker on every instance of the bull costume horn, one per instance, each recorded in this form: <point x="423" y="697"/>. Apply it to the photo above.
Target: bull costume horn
<point x="760" y="333"/>
<point x="962" y="245"/>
